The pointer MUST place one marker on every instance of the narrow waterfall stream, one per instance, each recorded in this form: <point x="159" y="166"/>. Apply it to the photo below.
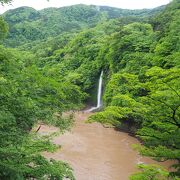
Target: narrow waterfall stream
<point x="99" y="95"/>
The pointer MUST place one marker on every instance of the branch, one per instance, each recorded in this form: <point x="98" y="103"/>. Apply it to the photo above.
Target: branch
<point x="174" y="123"/>
<point x="174" y="118"/>
<point x="150" y="136"/>
<point x="161" y="102"/>
<point x="38" y="128"/>
<point x="171" y="88"/>
<point x="174" y="111"/>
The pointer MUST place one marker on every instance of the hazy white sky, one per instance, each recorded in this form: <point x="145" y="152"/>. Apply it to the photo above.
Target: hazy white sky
<point x="126" y="4"/>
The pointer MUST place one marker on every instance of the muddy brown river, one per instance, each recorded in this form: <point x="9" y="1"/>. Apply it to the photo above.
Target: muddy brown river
<point x="97" y="153"/>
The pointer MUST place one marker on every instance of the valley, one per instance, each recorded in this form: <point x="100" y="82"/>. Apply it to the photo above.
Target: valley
<point x="121" y="65"/>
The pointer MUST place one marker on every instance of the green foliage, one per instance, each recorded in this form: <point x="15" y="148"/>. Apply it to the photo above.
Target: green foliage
<point x="161" y="137"/>
<point x="25" y="163"/>
<point x="134" y="37"/>
<point x="25" y="98"/>
<point x="110" y="116"/>
<point x="3" y="28"/>
<point x="123" y="83"/>
<point x="27" y="24"/>
<point x="142" y="88"/>
<point x="151" y="172"/>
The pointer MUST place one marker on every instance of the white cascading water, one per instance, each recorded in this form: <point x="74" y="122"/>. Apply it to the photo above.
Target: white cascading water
<point x="99" y="95"/>
<point x="99" y="102"/>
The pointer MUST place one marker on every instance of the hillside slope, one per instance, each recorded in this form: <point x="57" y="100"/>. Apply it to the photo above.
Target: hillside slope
<point x="27" y="25"/>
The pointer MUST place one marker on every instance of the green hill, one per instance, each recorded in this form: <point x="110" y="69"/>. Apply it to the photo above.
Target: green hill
<point x="26" y="24"/>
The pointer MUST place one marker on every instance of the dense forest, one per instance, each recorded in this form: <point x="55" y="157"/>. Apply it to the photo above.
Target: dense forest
<point x="50" y="62"/>
<point x="27" y="25"/>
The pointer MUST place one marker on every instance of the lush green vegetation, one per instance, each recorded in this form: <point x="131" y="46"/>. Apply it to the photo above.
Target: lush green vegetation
<point x="143" y="85"/>
<point x="27" y="25"/>
<point x="60" y="55"/>
<point x="26" y="96"/>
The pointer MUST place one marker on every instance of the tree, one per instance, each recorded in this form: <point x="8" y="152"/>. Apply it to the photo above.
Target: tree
<point x="3" y="28"/>
<point x="134" y="37"/>
<point x="25" y="98"/>
<point x="161" y="128"/>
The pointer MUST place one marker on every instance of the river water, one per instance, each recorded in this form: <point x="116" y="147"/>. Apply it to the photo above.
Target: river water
<point x="95" y="152"/>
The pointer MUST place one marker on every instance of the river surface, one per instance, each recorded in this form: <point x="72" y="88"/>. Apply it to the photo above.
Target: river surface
<point x="95" y="152"/>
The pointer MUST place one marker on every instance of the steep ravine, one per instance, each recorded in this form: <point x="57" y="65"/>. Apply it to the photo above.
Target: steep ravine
<point x="95" y="152"/>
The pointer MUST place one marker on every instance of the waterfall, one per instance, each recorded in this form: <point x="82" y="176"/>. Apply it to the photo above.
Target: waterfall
<point x="99" y="95"/>
<point x="99" y="102"/>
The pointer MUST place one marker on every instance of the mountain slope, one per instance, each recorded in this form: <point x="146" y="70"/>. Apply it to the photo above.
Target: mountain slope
<point x="26" y="24"/>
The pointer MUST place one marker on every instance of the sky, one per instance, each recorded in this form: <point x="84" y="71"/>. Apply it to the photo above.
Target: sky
<point x="125" y="4"/>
